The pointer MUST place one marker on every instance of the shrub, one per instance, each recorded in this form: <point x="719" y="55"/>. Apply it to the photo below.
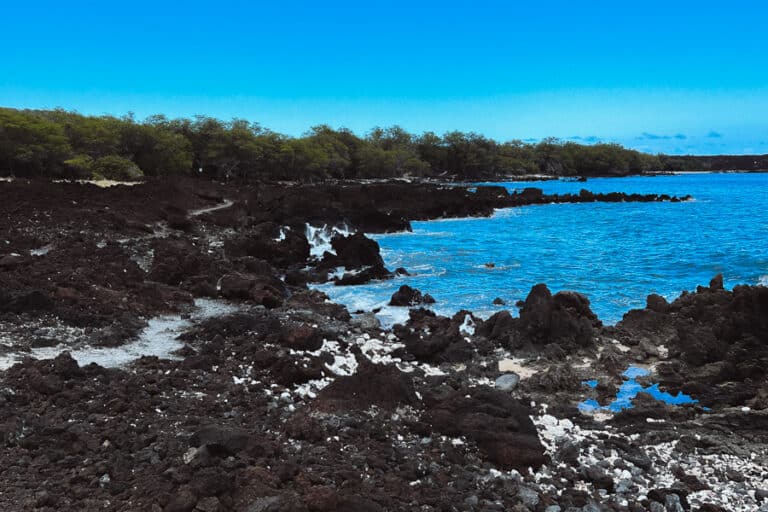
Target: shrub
<point x="115" y="167"/>
<point x="80" y="166"/>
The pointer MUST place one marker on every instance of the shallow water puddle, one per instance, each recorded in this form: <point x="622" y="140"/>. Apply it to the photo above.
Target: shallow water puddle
<point x="629" y="390"/>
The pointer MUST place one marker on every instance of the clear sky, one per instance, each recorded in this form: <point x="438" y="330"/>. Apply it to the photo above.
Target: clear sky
<point x="672" y="76"/>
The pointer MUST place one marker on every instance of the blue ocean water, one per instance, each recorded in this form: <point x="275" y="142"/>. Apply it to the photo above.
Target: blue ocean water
<point x="629" y="389"/>
<point x="614" y="253"/>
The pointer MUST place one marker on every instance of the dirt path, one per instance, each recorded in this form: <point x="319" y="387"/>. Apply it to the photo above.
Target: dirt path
<point x="226" y="204"/>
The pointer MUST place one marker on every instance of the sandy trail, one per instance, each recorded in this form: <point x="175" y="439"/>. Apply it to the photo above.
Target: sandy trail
<point x="226" y="204"/>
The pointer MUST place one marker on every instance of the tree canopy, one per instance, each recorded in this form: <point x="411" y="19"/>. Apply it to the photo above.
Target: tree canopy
<point x="64" y="144"/>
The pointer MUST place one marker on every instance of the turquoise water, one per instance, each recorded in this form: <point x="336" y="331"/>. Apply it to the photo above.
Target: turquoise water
<point x="615" y="253"/>
<point x="629" y="389"/>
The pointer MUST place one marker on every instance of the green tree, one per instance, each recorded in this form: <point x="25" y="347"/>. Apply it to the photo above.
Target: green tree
<point x="93" y="136"/>
<point x="431" y="150"/>
<point x="31" y="145"/>
<point x="63" y="143"/>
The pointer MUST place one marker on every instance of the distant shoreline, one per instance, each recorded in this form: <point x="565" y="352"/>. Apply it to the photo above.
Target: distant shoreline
<point x="541" y="177"/>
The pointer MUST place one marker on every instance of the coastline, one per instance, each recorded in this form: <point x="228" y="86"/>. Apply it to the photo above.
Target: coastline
<point x="307" y="409"/>
<point x="548" y="177"/>
<point x="662" y="246"/>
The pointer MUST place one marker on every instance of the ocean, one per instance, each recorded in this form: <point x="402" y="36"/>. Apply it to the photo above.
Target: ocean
<point x="614" y="253"/>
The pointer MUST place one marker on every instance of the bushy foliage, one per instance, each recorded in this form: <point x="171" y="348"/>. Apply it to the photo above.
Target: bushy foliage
<point x="113" y="167"/>
<point x="31" y="145"/>
<point x="59" y="143"/>
<point x="79" y="167"/>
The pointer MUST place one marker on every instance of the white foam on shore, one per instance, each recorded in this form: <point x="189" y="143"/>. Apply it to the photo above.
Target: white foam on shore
<point x="336" y="273"/>
<point x="510" y="211"/>
<point x="391" y="315"/>
<point x="281" y="236"/>
<point x="365" y="298"/>
<point x="468" y="327"/>
<point x="354" y="297"/>
<point x="763" y="280"/>
<point x="158" y="338"/>
<point x="319" y="238"/>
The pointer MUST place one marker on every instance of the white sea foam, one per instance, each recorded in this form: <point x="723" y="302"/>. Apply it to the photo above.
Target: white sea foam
<point x="319" y="238"/>
<point x="359" y="298"/>
<point x="497" y="268"/>
<point x="763" y="280"/>
<point x="391" y="315"/>
<point x="281" y="236"/>
<point x="506" y="212"/>
<point x="468" y="327"/>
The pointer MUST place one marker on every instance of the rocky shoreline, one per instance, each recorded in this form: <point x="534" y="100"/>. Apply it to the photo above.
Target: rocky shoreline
<point x="262" y="395"/>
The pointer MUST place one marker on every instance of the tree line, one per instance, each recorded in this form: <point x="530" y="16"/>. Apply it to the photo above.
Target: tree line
<point x="64" y="144"/>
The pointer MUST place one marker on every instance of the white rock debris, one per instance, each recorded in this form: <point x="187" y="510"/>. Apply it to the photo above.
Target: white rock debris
<point x="715" y="471"/>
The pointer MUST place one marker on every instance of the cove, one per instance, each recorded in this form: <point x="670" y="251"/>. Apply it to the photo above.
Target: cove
<point x="614" y="253"/>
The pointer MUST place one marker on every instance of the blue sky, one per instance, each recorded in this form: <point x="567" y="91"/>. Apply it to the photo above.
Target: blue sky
<point x="678" y="77"/>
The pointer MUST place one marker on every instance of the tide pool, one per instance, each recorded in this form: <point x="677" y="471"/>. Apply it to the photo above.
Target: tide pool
<point x="629" y="390"/>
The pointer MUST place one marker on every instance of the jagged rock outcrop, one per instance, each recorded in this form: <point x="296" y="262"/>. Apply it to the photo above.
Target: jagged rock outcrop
<point x="500" y="425"/>
<point x="713" y="337"/>
<point x="407" y="297"/>
<point x="565" y="318"/>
